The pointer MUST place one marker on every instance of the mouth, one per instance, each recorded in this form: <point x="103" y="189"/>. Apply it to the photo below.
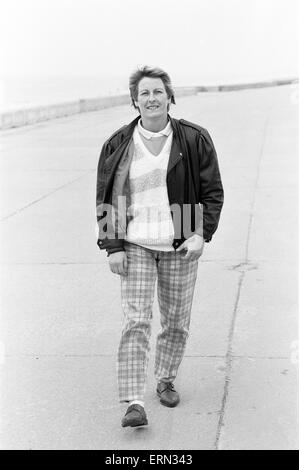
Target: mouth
<point x="153" y="107"/>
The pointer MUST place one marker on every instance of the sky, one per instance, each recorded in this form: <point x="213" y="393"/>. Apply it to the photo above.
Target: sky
<point x="201" y="41"/>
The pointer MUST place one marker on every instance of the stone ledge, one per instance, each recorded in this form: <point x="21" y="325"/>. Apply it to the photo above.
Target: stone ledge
<point x="23" y="117"/>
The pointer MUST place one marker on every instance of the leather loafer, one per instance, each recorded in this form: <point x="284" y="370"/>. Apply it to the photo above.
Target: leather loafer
<point x="135" y="416"/>
<point x="167" y="394"/>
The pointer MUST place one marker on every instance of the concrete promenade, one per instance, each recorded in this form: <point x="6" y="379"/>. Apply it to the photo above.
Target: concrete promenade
<point x="60" y="304"/>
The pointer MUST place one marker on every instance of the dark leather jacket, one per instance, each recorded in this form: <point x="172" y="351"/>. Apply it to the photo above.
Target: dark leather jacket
<point x="193" y="178"/>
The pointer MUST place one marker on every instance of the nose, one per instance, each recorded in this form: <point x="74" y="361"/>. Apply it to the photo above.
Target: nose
<point x="151" y="96"/>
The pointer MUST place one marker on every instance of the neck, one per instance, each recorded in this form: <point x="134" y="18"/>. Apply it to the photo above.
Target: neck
<point x="154" y="125"/>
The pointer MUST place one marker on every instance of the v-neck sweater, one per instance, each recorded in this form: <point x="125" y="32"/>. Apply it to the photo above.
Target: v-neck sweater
<point x="151" y="225"/>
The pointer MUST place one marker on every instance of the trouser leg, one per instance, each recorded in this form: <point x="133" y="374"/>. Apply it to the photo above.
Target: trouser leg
<point x="176" y="282"/>
<point x="137" y="295"/>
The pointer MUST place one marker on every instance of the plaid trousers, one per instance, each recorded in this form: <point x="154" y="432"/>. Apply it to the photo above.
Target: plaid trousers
<point x="176" y="282"/>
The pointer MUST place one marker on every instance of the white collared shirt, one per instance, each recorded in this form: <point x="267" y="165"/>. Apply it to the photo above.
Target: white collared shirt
<point x="152" y="135"/>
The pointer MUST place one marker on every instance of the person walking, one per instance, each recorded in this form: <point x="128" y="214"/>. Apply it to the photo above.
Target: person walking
<point x="159" y="199"/>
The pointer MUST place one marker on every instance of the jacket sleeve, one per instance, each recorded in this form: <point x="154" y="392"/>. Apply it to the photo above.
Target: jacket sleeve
<point x="103" y="216"/>
<point x="211" y="190"/>
<point x="105" y="152"/>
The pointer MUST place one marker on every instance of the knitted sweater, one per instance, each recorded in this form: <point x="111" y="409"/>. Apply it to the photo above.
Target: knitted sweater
<point x="151" y="225"/>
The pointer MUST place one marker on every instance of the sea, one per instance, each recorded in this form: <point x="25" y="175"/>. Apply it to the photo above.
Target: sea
<point x="27" y="92"/>
<point x="31" y="91"/>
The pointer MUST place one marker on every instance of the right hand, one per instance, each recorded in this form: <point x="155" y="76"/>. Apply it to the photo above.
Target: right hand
<point x="118" y="263"/>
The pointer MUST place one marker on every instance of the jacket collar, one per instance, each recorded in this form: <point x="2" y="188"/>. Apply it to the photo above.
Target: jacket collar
<point x="129" y="129"/>
<point x="176" y="148"/>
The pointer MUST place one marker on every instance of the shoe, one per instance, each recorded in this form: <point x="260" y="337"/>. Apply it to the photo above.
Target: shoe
<point x="167" y="394"/>
<point x="135" y="416"/>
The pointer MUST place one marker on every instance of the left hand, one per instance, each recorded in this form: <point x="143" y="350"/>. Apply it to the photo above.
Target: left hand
<point x="194" y="246"/>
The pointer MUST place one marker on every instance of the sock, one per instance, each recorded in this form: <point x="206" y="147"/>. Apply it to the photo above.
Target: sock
<point x="137" y="402"/>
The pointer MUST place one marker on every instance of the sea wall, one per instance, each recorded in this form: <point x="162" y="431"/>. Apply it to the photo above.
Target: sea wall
<point x="23" y="117"/>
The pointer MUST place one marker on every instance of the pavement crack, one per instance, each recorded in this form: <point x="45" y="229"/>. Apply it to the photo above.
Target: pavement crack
<point x="228" y="365"/>
<point x="37" y="356"/>
<point x="242" y="267"/>
<point x="44" y="196"/>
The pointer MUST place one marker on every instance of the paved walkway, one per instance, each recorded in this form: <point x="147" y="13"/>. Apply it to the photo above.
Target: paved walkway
<point x="60" y="304"/>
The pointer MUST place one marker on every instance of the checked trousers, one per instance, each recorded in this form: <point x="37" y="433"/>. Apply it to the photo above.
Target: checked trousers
<point x="175" y="285"/>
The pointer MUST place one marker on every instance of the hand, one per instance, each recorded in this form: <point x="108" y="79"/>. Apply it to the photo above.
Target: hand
<point x="194" y="246"/>
<point x="118" y="263"/>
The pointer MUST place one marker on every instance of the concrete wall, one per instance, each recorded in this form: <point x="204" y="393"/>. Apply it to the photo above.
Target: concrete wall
<point x="244" y="86"/>
<point x="24" y="117"/>
<point x="37" y="114"/>
<point x="34" y="115"/>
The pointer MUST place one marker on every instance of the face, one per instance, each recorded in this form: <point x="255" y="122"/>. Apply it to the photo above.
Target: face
<point x="152" y="99"/>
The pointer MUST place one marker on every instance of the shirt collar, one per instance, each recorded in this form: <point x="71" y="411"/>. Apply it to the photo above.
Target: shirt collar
<point x="151" y="135"/>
